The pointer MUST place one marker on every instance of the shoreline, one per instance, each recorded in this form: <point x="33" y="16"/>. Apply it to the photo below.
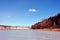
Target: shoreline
<point x="46" y="29"/>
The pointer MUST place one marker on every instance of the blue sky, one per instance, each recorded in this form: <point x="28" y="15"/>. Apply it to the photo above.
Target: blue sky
<point x="27" y="12"/>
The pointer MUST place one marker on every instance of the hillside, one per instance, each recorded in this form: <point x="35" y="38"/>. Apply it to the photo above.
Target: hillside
<point x="50" y="23"/>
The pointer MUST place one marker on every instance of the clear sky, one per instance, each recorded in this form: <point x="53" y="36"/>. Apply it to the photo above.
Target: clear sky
<point x="27" y="12"/>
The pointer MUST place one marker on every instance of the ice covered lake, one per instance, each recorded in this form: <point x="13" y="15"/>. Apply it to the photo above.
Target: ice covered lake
<point x="28" y="35"/>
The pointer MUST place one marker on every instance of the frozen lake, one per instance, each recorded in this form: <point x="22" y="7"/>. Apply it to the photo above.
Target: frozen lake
<point x="28" y="35"/>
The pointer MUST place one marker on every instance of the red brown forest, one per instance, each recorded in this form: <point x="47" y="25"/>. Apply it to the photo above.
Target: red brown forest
<point x="51" y="22"/>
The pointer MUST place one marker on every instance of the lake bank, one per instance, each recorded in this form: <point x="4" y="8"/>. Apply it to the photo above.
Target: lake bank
<point x="46" y="29"/>
<point x="28" y="28"/>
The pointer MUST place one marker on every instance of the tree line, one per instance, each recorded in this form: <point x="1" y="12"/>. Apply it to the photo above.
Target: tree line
<point x="51" y="22"/>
